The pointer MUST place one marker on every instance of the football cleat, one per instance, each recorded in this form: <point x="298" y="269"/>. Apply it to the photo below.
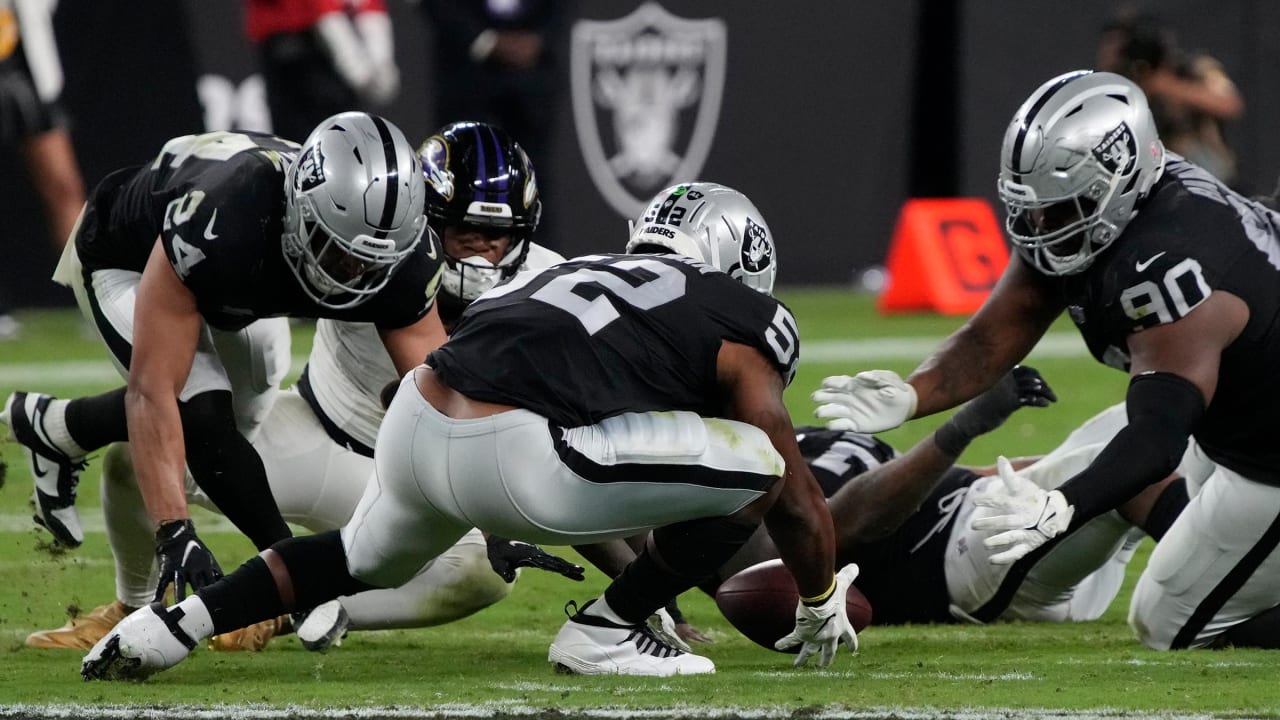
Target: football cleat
<point x="57" y="475"/>
<point x="322" y="628"/>
<point x="590" y="645"/>
<point x="144" y="643"/>
<point x="252" y="638"/>
<point x="82" y="631"/>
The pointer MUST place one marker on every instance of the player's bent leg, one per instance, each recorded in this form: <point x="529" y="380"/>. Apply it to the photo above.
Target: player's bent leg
<point x="316" y="482"/>
<point x="456" y="584"/>
<point x="133" y="548"/>
<point x="1215" y="569"/>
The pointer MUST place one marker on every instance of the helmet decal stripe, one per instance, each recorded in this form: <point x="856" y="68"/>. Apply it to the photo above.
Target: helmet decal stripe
<point x="669" y="203"/>
<point x="1016" y="156"/>
<point x="483" y="169"/>
<point x="392" y="163"/>
<point x="500" y="164"/>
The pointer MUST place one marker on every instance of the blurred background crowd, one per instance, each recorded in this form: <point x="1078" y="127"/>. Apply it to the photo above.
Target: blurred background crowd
<point x="830" y="114"/>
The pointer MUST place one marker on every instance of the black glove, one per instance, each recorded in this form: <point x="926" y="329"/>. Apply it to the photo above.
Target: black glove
<point x="184" y="560"/>
<point x="1022" y="386"/>
<point x="507" y="555"/>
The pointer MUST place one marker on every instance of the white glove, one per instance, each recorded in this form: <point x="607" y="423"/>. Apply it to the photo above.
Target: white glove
<point x="868" y="402"/>
<point x="821" y="628"/>
<point x="1031" y="516"/>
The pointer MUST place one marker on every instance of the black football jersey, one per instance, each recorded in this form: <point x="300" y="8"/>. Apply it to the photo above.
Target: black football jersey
<point x="902" y="575"/>
<point x="216" y="201"/>
<point x="1192" y="237"/>
<point x="837" y="456"/>
<point x="602" y="335"/>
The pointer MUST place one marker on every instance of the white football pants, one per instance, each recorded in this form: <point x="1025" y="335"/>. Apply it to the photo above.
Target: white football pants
<point x="517" y="475"/>
<point x="1215" y="568"/>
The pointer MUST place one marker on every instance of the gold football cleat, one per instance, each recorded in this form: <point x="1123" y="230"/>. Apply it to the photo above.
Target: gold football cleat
<point x="82" y="631"/>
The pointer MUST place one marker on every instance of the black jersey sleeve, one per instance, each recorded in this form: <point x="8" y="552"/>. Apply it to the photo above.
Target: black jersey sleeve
<point x="224" y="204"/>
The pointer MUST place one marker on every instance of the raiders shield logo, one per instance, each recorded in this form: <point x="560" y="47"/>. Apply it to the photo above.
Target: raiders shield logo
<point x="646" y="97"/>
<point x="1117" y="151"/>
<point x="311" y="169"/>
<point x="757" y="249"/>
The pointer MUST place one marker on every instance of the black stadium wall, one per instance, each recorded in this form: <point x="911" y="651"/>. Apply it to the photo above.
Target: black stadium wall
<point x="829" y="114"/>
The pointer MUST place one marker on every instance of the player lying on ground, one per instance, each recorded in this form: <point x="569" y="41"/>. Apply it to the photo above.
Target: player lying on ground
<point x="317" y="439"/>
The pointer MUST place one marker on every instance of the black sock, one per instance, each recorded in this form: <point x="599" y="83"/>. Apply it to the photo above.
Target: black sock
<point x="676" y="558"/>
<point x="244" y="597"/>
<point x="97" y="421"/>
<point x="318" y="568"/>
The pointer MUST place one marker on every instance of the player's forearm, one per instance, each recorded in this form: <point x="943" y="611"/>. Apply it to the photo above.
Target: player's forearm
<point x="876" y="503"/>
<point x="963" y="367"/>
<point x="159" y="457"/>
<point x="801" y="528"/>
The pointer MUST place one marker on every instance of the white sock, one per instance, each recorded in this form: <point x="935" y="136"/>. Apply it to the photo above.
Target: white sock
<point x="197" y="622"/>
<point x="600" y="608"/>
<point x="55" y="424"/>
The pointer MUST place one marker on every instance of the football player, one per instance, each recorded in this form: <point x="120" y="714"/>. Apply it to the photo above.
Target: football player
<point x="317" y="439"/>
<point x="591" y="431"/>
<point x="1170" y="277"/>
<point x="174" y="261"/>
<point x="906" y="520"/>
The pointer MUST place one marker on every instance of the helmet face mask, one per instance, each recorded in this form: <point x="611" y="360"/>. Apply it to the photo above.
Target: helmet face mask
<point x="712" y="223"/>
<point x="1079" y="156"/>
<point x="353" y="209"/>
<point x="479" y="180"/>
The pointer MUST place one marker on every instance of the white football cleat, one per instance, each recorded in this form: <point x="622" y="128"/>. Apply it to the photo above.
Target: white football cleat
<point x="324" y="627"/>
<point x="590" y="645"/>
<point x="144" y="643"/>
<point x="57" y="475"/>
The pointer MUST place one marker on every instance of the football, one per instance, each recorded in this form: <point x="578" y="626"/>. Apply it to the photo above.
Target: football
<point x="760" y="602"/>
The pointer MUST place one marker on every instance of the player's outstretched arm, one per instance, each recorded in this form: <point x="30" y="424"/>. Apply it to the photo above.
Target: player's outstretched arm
<point x="167" y="327"/>
<point x="877" y="502"/>
<point x="1008" y="325"/>
<point x="409" y="346"/>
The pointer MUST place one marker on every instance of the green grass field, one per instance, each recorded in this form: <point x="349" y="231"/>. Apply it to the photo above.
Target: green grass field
<point x="494" y="663"/>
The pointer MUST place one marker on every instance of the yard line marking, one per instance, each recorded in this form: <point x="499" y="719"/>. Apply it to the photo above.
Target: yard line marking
<point x="517" y="709"/>
<point x="861" y="350"/>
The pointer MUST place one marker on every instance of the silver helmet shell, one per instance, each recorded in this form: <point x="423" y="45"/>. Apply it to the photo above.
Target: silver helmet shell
<point x="712" y="223"/>
<point x="1078" y="157"/>
<point x="354" y="203"/>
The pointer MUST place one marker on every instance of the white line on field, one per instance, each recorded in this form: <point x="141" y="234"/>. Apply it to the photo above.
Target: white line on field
<point x="93" y="522"/>
<point x="509" y="709"/>
<point x="1054" y="345"/>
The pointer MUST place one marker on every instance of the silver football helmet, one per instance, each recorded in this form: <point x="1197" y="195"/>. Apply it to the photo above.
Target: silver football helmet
<point x="1079" y="156"/>
<point x="712" y="223"/>
<point x="353" y="208"/>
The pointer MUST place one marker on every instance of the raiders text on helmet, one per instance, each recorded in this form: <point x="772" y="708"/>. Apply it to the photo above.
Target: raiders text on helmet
<point x="713" y="223"/>
<point x="353" y="208"/>
<point x="1078" y="157"/>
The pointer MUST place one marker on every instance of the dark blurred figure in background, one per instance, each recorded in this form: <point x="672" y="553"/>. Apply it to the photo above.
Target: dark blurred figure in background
<point x="33" y="121"/>
<point x="502" y="62"/>
<point x="1191" y="95"/>
<point x="322" y="57"/>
